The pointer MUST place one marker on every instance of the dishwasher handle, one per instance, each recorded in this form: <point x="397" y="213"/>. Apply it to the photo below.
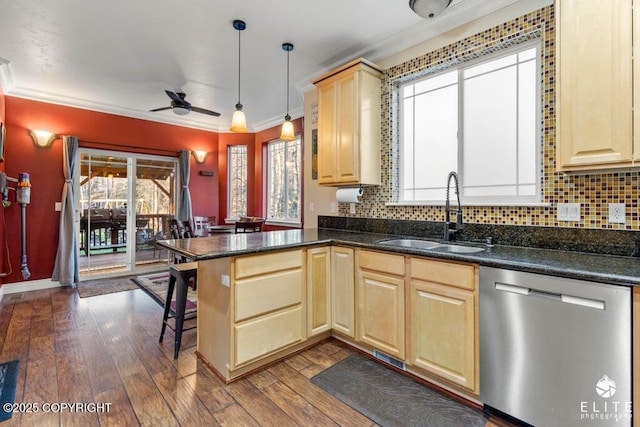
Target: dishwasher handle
<point x="567" y="299"/>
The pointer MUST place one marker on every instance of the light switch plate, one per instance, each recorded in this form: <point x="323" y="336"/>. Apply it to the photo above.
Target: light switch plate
<point x="334" y="207"/>
<point x="58" y="206"/>
<point x="312" y="207"/>
<point x="352" y="208"/>
<point x="568" y="211"/>
<point x="617" y="214"/>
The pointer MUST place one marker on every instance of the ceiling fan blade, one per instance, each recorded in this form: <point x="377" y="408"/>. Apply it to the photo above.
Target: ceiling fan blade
<point x="160" y="109"/>
<point x="205" y="111"/>
<point x="174" y="97"/>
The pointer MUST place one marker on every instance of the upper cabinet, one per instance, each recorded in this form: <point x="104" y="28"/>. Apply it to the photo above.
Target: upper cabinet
<point x="595" y="90"/>
<point x="349" y="125"/>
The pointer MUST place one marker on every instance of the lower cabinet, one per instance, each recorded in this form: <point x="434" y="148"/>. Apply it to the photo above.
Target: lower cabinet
<point x="444" y="321"/>
<point x="318" y="290"/>
<point x="381" y="302"/>
<point x="251" y="310"/>
<point x="343" y="291"/>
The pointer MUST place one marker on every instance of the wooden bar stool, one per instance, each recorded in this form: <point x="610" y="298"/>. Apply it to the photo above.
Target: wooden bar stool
<point x="180" y="277"/>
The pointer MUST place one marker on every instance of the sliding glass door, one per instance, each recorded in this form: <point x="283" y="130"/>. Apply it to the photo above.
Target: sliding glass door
<point x="124" y="202"/>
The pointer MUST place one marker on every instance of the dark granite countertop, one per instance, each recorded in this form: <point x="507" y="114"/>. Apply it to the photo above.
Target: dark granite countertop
<point x="613" y="269"/>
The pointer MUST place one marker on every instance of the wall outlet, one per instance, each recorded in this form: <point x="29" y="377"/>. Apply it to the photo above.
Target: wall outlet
<point x="334" y="207"/>
<point x="617" y="214"/>
<point x="352" y="208"/>
<point x="312" y="207"/>
<point x="225" y="280"/>
<point x="568" y="211"/>
<point x="58" y="206"/>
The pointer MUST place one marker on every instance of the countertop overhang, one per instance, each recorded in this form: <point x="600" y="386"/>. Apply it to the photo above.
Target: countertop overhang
<point x="611" y="269"/>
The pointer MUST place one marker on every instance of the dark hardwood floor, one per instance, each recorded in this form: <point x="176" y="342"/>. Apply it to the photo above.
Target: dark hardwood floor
<point x="105" y="349"/>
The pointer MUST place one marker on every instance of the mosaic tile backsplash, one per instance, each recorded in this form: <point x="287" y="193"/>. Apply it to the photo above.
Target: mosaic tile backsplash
<point x="593" y="191"/>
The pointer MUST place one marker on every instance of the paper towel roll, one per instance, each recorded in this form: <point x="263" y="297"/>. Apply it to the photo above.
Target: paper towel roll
<point x="349" y="195"/>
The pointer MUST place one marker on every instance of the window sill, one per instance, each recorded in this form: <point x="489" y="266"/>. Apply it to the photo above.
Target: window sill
<point x="488" y="204"/>
<point x="283" y="223"/>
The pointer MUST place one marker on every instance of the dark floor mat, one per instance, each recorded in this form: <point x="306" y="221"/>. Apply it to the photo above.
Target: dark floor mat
<point x="391" y="399"/>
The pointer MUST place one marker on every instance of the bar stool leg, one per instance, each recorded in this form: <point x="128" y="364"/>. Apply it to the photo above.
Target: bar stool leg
<point x="167" y="305"/>
<point x="181" y="302"/>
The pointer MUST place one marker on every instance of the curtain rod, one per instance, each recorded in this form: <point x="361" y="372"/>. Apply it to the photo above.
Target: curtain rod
<point x="174" y="152"/>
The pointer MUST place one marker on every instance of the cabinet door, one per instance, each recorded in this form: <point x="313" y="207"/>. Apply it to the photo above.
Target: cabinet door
<point x="343" y="291"/>
<point x="319" y="290"/>
<point x="443" y="332"/>
<point x="595" y="90"/>
<point x="327" y="143"/>
<point x="381" y="312"/>
<point x="348" y="148"/>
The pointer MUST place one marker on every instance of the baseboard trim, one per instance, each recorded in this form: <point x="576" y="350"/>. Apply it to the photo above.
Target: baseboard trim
<point x="30" y="285"/>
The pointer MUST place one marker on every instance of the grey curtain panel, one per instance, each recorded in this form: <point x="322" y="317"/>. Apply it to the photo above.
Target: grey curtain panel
<point x="65" y="269"/>
<point x="184" y="205"/>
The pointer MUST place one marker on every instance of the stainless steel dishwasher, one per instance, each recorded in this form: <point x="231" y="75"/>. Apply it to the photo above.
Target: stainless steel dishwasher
<point x="555" y="351"/>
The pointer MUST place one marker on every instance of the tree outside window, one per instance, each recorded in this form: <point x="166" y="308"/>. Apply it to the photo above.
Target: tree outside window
<point x="284" y="180"/>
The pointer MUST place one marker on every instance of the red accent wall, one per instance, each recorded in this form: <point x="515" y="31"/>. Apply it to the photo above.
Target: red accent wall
<point x="45" y="167"/>
<point x="2" y="230"/>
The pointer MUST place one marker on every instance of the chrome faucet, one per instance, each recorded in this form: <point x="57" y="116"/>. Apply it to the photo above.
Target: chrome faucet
<point x="449" y="231"/>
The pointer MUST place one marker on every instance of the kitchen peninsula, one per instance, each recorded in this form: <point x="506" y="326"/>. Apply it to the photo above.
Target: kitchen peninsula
<point x="263" y="296"/>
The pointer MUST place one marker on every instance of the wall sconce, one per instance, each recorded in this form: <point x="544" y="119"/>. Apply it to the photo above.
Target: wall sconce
<point x="42" y="138"/>
<point x="200" y="156"/>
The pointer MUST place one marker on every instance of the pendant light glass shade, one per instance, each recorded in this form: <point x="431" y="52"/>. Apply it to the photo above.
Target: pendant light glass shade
<point x="288" y="133"/>
<point x="239" y="120"/>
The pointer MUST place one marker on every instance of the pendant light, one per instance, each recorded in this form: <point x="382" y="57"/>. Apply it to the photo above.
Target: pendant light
<point x="288" y="133"/>
<point x="239" y="120"/>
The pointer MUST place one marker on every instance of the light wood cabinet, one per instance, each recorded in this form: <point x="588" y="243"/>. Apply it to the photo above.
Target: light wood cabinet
<point x="595" y="84"/>
<point x="381" y="302"/>
<point x="318" y="290"/>
<point x="443" y="321"/>
<point x="343" y="291"/>
<point x="349" y="125"/>
<point x="251" y="309"/>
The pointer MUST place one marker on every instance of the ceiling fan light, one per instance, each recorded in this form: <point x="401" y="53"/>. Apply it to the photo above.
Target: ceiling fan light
<point x="288" y="133"/>
<point x="429" y="8"/>
<point x="239" y="121"/>
<point x="181" y="111"/>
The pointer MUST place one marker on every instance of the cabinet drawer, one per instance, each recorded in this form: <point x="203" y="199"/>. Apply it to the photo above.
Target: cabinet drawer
<point x="263" y="336"/>
<point x="383" y="262"/>
<point x="446" y="273"/>
<point x="260" y="264"/>
<point x="267" y="293"/>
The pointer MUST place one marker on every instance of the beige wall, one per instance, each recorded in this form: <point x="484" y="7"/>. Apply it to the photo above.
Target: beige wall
<point x="317" y="200"/>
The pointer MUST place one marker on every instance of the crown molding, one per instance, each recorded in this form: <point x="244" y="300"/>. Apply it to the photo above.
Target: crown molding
<point x="296" y="113"/>
<point x="459" y="13"/>
<point x="67" y="101"/>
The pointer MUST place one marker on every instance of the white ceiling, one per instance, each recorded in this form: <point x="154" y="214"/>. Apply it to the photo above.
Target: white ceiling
<point x="119" y="56"/>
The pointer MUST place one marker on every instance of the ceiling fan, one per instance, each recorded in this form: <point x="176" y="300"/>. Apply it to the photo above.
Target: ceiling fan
<point x="181" y="107"/>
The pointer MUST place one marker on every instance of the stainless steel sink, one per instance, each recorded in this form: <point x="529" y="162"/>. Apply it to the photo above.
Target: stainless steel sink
<point x="411" y="243"/>
<point x="427" y="244"/>
<point x="459" y="249"/>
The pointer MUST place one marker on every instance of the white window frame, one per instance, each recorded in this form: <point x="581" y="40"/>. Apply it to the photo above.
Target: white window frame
<point x="289" y="222"/>
<point x="230" y="149"/>
<point x="533" y="200"/>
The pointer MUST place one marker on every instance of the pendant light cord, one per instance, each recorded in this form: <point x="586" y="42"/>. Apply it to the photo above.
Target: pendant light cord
<point x="239" y="47"/>
<point x="288" y="52"/>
